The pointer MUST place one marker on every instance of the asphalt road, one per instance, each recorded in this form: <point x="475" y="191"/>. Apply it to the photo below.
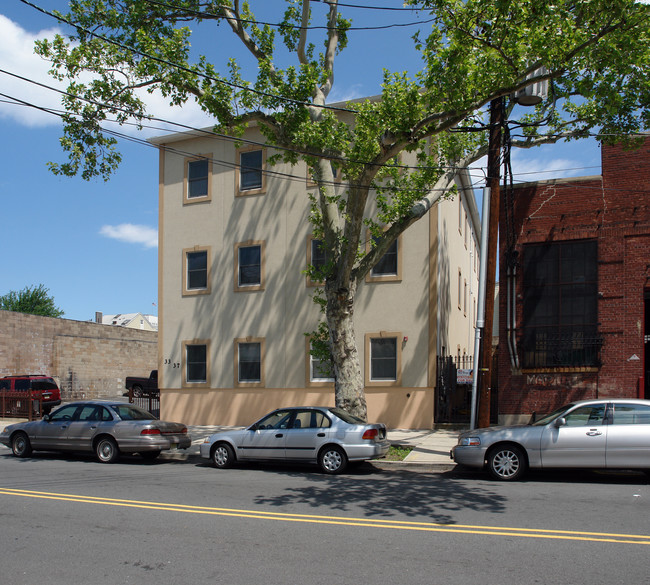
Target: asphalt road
<point x="68" y="521"/>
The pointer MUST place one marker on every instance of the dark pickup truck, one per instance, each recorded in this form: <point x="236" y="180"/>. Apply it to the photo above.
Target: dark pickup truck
<point x="143" y="386"/>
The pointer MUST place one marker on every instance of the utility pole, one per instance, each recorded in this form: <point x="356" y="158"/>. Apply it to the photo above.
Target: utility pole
<point x="493" y="181"/>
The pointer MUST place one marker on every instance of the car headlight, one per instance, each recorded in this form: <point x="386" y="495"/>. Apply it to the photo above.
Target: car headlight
<point x="469" y="441"/>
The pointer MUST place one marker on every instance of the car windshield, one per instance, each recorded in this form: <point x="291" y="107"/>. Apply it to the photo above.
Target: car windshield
<point x="130" y="412"/>
<point x="549" y="417"/>
<point x="346" y="416"/>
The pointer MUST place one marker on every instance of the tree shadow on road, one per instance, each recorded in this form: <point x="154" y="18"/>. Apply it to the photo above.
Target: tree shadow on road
<point x="392" y="493"/>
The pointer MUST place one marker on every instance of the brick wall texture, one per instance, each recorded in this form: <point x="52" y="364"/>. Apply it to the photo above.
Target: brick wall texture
<point x="614" y="210"/>
<point x="88" y="360"/>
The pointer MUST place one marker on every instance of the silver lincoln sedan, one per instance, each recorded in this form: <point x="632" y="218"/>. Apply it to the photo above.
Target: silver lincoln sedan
<point x="598" y="434"/>
<point x="328" y="436"/>
<point x="103" y="427"/>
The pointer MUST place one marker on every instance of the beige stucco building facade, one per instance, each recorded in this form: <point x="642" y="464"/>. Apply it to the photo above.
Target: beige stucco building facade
<point x="235" y="304"/>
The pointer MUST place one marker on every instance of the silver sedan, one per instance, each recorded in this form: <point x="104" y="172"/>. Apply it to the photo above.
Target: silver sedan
<point x="103" y="427"/>
<point x="607" y="434"/>
<point x="328" y="436"/>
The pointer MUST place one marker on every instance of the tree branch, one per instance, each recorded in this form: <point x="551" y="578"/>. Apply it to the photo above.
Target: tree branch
<point x="233" y="18"/>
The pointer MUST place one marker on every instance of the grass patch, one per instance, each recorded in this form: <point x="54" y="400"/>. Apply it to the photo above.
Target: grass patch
<point x="398" y="452"/>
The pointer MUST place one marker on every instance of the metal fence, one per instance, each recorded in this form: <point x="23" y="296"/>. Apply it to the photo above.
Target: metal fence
<point x="150" y="402"/>
<point x="20" y="405"/>
<point x="552" y="350"/>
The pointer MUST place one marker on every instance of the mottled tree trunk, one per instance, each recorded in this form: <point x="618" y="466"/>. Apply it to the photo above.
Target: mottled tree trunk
<point x="349" y="391"/>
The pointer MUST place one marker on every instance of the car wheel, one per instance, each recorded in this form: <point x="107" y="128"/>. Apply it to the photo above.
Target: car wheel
<point x="20" y="445"/>
<point x="150" y="455"/>
<point x="223" y="456"/>
<point x="507" y="463"/>
<point x="332" y="459"/>
<point x="137" y="391"/>
<point x="106" y="450"/>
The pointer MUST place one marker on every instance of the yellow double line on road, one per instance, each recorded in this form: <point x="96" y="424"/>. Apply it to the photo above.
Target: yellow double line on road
<point x="339" y="520"/>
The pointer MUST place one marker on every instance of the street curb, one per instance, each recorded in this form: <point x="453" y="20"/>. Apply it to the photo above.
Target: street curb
<point x="379" y="463"/>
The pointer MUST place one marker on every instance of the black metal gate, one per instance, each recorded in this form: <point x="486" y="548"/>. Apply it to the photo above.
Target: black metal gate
<point x="150" y="402"/>
<point x="453" y="401"/>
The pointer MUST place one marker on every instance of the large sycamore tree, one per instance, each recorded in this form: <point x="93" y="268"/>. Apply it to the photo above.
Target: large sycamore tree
<point x="595" y="54"/>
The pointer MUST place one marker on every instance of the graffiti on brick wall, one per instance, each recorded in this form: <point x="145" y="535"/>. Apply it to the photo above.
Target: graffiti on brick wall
<point x="554" y="380"/>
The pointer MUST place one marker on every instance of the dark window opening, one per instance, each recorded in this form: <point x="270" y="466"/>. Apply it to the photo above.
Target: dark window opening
<point x="560" y="311"/>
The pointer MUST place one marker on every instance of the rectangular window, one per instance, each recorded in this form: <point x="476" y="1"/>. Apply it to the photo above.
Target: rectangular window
<point x="460" y="289"/>
<point x="317" y="259"/>
<point x="383" y="358"/>
<point x="197" y="180"/>
<point x="318" y="255"/>
<point x="560" y="312"/>
<point x="320" y="370"/>
<point x="196" y="362"/>
<point x="196" y="268"/>
<point x="464" y="297"/>
<point x="251" y="172"/>
<point x="249" y="361"/>
<point x="249" y="266"/>
<point x="389" y="266"/>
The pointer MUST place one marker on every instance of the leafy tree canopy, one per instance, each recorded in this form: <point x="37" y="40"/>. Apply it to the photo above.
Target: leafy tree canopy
<point x="34" y="300"/>
<point x="595" y="54"/>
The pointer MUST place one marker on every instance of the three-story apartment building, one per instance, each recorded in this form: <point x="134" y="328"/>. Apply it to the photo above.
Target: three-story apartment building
<point x="235" y="305"/>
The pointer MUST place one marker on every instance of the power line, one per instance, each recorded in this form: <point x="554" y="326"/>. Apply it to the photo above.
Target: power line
<point x="181" y="67"/>
<point x="219" y="162"/>
<point x="361" y="6"/>
<point x="199" y="14"/>
<point x="211" y="133"/>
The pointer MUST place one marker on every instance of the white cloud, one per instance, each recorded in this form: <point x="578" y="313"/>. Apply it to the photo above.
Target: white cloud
<point x="132" y="234"/>
<point x="17" y="57"/>
<point x="530" y="166"/>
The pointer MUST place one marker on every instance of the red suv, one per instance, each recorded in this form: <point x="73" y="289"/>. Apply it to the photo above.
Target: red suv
<point x="42" y="387"/>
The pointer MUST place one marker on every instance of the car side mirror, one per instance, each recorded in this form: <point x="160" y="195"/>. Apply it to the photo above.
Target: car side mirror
<point x="46" y="417"/>
<point x="559" y="422"/>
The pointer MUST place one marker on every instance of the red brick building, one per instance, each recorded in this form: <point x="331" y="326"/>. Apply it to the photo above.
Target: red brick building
<point x="575" y="274"/>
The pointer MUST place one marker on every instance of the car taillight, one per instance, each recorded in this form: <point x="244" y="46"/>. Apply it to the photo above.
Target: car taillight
<point x="370" y="434"/>
<point x="150" y="432"/>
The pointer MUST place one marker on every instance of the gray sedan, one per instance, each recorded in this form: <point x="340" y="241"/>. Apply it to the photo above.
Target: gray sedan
<point x="328" y="436"/>
<point x="607" y="434"/>
<point x="103" y="427"/>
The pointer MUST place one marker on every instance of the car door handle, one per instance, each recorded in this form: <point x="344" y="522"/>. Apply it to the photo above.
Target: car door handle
<point x="593" y="433"/>
<point x="320" y="435"/>
<point x="279" y="436"/>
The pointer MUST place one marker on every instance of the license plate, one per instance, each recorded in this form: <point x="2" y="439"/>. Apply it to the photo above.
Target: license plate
<point x="174" y="446"/>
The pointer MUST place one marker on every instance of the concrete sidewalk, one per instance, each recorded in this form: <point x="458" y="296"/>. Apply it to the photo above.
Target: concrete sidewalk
<point x="430" y="447"/>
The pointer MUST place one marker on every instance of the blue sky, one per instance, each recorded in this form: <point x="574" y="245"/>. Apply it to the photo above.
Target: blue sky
<point x="94" y="244"/>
